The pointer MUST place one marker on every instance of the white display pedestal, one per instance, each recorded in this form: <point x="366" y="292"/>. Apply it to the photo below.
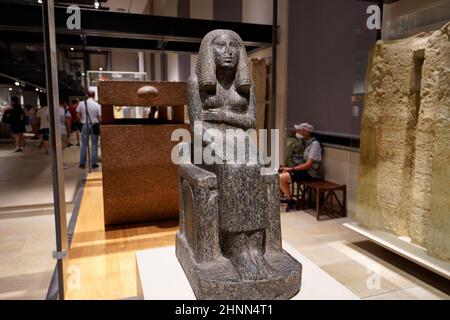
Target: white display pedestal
<point x="161" y="277"/>
<point x="403" y="248"/>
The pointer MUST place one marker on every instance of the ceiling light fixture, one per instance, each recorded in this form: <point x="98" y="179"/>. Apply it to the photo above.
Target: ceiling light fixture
<point x="17" y="83"/>
<point x="96" y="4"/>
<point x="10" y="89"/>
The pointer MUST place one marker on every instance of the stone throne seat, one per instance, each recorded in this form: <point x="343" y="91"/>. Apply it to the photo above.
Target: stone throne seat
<point x="212" y="276"/>
<point x="229" y="242"/>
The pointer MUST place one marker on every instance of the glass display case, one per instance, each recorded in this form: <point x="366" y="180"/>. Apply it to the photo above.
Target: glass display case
<point x="120" y="112"/>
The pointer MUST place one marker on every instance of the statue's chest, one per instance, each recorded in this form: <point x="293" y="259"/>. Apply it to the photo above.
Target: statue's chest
<point x="228" y="100"/>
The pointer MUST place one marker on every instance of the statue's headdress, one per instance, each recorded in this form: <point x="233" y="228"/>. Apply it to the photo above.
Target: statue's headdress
<point x="206" y="68"/>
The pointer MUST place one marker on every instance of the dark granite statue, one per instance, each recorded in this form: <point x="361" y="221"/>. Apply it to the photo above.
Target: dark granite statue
<point x="229" y="243"/>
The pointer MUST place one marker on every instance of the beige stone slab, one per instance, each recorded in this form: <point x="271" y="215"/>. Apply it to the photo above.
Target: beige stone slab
<point x="404" y="180"/>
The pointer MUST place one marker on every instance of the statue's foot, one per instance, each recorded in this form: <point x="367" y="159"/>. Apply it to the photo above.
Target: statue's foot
<point x="251" y="265"/>
<point x="245" y="266"/>
<point x="264" y="269"/>
<point x="244" y="252"/>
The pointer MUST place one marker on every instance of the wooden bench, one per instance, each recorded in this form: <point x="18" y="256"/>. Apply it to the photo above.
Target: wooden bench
<point x="324" y="194"/>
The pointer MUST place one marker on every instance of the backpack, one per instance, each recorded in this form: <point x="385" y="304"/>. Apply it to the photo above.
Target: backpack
<point x="6" y="117"/>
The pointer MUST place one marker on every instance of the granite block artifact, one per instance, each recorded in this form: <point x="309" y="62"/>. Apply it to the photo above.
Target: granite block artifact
<point x="229" y="243"/>
<point x="140" y="181"/>
<point x="404" y="176"/>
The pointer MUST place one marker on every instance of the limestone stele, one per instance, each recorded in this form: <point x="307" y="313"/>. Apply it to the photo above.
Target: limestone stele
<point x="404" y="177"/>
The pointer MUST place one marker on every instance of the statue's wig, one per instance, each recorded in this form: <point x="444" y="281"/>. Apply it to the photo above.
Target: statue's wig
<point x="206" y="67"/>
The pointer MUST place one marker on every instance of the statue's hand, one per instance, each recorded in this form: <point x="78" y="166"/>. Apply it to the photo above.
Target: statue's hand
<point x="213" y="115"/>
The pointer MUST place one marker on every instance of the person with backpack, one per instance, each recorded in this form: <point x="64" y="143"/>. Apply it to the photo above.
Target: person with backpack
<point x="15" y="117"/>
<point x="303" y="162"/>
<point x="89" y="112"/>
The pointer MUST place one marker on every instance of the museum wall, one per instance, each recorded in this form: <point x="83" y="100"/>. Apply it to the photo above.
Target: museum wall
<point x="4" y="94"/>
<point x="282" y="71"/>
<point x="184" y="60"/>
<point x="327" y="68"/>
<point x="341" y="166"/>
<point x="327" y="55"/>
<point x="257" y="11"/>
<point x="403" y="175"/>
<point x="30" y="97"/>
<point x="140" y="6"/>
<point x="227" y="10"/>
<point x="153" y="70"/>
<point x="201" y="9"/>
<point x="260" y="11"/>
<point x="97" y="61"/>
<point x="172" y="67"/>
<point x="161" y="67"/>
<point x="167" y="8"/>
<point x="124" y="61"/>
<point x="328" y="49"/>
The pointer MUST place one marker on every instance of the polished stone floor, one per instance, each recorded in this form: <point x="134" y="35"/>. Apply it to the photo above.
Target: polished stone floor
<point x="25" y="177"/>
<point x="27" y="239"/>
<point x="368" y="270"/>
<point x="27" y="228"/>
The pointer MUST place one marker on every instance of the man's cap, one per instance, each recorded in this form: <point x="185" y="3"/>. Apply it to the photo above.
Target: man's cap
<point x="305" y="126"/>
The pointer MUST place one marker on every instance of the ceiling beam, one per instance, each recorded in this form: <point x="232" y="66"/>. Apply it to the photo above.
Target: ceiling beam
<point x="130" y="31"/>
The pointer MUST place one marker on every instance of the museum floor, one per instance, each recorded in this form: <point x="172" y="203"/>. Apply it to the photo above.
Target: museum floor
<point x="106" y="262"/>
<point x="27" y="228"/>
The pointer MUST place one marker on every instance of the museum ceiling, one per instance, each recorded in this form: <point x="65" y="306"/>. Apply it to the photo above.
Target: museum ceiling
<point x="21" y="45"/>
<point x="22" y="40"/>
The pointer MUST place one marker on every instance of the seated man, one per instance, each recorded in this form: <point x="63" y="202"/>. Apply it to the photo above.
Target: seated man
<point x="301" y="167"/>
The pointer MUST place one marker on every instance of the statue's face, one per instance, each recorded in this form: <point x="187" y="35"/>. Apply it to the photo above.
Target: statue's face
<point x="226" y="51"/>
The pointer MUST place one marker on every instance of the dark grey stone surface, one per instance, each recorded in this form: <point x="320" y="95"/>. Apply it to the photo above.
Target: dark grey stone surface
<point x="229" y="243"/>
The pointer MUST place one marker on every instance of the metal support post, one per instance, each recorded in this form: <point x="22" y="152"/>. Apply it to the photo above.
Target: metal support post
<point x="51" y="66"/>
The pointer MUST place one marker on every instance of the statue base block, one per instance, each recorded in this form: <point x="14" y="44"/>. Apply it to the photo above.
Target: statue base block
<point x="218" y="279"/>
<point x="161" y="277"/>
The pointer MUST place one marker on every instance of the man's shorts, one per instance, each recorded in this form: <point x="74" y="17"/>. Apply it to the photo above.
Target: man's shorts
<point x="76" y="126"/>
<point x="45" y="133"/>
<point x="300" y="175"/>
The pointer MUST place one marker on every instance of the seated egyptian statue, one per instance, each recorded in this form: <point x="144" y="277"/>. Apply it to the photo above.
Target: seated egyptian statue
<point x="229" y="243"/>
